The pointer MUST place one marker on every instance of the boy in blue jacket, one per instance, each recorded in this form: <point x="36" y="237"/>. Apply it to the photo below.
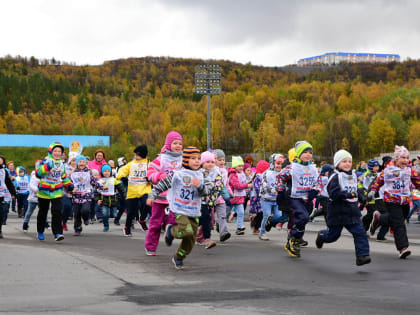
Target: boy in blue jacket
<point x="22" y="187"/>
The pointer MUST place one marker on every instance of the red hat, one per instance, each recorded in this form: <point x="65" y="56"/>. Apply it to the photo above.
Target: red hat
<point x="262" y="166"/>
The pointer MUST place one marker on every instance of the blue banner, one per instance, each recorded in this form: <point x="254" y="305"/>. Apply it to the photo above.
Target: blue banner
<point x="43" y="141"/>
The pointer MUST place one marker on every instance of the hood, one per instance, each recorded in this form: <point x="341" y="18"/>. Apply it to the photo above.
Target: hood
<point x="262" y="166"/>
<point x="273" y="159"/>
<point x="21" y="168"/>
<point x="231" y="170"/>
<point x="51" y="148"/>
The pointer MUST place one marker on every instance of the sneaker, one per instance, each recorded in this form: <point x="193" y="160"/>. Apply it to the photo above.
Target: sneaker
<point x="269" y="223"/>
<point x="279" y="226"/>
<point x="59" y="237"/>
<point x="65" y="227"/>
<point x="404" y="253"/>
<point x="168" y="236"/>
<point x="239" y="232"/>
<point x="25" y="227"/>
<point x="225" y="237"/>
<point x="143" y="225"/>
<point x="127" y="232"/>
<point x="106" y="228"/>
<point x="303" y="243"/>
<point x="86" y="222"/>
<point x="178" y="263"/>
<point x="150" y="252"/>
<point x="77" y="233"/>
<point x="314" y="213"/>
<point x="256" y="232"/>
<point x="319" y="242"/>
<point x="263" y="237"/>
<point x="242" y="228"/>
<point x="375" y="222"/>
<point x="381" y="240"/>
<point x="41" y="236"/>
<point x="217" y="227"/>
<point x="210" y="244"/>
<point x="117" y="222"/>
<point x="292" y="247"/>
<point x="362" y="260"/>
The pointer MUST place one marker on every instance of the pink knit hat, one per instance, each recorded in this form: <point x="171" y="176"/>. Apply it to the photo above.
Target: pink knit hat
<point x="207" y="156"/>
<point x="171" y="137"/>
<point x="246" y="165"/>
<point x="400" y="152"/>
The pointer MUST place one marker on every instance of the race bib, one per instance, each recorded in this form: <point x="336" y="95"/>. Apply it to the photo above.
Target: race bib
<point x="170" y="163"/>
<point x="108" y="182"/>
<point x="348" y="183"/>
<point x="81" y="181"/>
<point x="303" y="179"/>
<point x="397" y="181"/>
<point x="138" y="174"/>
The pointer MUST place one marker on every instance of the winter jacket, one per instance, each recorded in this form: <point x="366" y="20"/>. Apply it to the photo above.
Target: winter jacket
<point x="110" y="200"/>
<point x="238" y="187"/>
<point x="6" y="184"/>
<point x="33" y="188"/>
<point x="22" y="182"/>
<point x="255" y="204"/>
<point x="136" y="174"/>
<point x="83" y="197"/>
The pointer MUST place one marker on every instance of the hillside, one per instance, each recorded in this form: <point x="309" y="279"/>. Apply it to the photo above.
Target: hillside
<point x="364" y="108"/>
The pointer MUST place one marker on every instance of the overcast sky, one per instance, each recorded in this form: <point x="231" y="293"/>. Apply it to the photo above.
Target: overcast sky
<point x="263" y="32"/>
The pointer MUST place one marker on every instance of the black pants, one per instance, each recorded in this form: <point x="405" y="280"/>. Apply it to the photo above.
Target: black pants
<point x="133" y="207"/>
<point x="80" y="210"/>
<point x="43" y="205"/>
<point x="367" y="219"/>
<point x="380" y="206"/>
<point x="395" y="219"/>
<point x="205" y="221"/>
<point x="22" y="204"/>
<point x="1" y="212"/>
<point x="257" y="220"/>
<point x="121" y="207"/>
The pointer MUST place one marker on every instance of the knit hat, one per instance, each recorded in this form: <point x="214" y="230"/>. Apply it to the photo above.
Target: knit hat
<point x="326" y="168"/>
<point x="37" y="163"/>
<point x="171" y="137"/>
<point x="341" y="155"/>
<point x="99" y="151"/>
<point x="219" y="153"/>
<point x="302" y="146"/>
<point x="273" y="158"/>
<point x="80" y="158"/>
<point x="141" y="150"/>
<point x="291" y="154"/>
<point x="72" y="156"/>
<point x="187" y="153"/>
<point x="247" y="165"/>
<point x="104" y="168"/>
<point x="94" y="172"/>
<point x="262" y="166"/>
<point x="401" y="152"/>
<point x="372" y="163"/>
<point x="237" y="161"/>
<point x="53" y="146"/>
<point x="207" y="156"/>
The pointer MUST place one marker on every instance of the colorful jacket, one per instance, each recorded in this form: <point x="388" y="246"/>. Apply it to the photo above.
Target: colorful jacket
<point x="136" y="174"/>
<point x="388" y="197"/>
<point x="53" y="177"/>
<point x="255" y="204"/>
<point x="95" y="165"/>
<point x="235" y="184"/>
<point x="217" y="186"/>
<point x="78" y="197"/>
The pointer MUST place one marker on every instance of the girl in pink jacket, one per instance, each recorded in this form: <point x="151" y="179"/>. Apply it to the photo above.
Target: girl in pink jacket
<point x="170" y="159"/>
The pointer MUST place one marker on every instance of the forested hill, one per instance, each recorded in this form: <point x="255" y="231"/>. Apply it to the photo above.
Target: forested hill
<point x="364" y="108"/>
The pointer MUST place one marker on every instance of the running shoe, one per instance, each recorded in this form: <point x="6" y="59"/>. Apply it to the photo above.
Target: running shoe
<point x="168" y="236"/>
<point x="362" y="260"/>
<point x="127" y="232"/>
<point x="263" y="237"/>
<point x="225" y="237"/>
<point x="269" y="223"/>
<point x="41" y="236"/>
<point x="25" y="227"/>
<point x="59" y="237"/>
<point x="239" y="232"/>
<point x="143" y="225"/>
<point x="77" y="233"/>
<point x="210" y="244"/>
<point x="319" y="242"/>
<point x="178" y="263"/>
<point x="375" y="222"/>
<point x="150" y="252"/>
<point x="404" y="253"/>
<point x="106" y="228"/>
<point x="292" y="247"/>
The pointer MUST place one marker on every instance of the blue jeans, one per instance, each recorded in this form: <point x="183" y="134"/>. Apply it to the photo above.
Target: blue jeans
<point x="269" y="208"/>
<point x="300" y="211"/>
<point x="240" y="211"/>
<point x="28" y="214"/>
<point x="361" y="242"/>
<point x="106" y="211"/>
<point x="416" y="206"/>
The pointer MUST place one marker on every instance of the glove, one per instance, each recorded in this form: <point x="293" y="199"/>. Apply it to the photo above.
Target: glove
<point x="371" y="196"/>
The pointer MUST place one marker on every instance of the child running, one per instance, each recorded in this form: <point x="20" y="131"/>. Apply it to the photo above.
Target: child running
<point x="299" y="179"/>
<point x="343" y="210"/>
<point x="164" y="165"/>
<point x="53" y="179"/>
<point x="186" y="188"/>
<point x="6" y="184"/>
<point x="396" y="179"/>
<point x="22" y="188"/>
<point x="256" y="212"/>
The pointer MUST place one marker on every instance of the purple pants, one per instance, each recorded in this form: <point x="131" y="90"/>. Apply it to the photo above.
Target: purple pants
<point x="158" y="217"/>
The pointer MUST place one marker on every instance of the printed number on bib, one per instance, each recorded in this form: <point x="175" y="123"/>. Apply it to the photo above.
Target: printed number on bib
<point x="306" y="181"/>
<point x="398" y="185"/>
<point x="187" y="194"/>
<point x="350" y="189"/>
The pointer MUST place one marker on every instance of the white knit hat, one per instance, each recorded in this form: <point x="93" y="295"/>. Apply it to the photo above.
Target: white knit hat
<point x="341" y="155"/>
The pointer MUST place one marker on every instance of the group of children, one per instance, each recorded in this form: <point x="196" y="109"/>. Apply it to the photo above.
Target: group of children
<point x="186" y="192"/>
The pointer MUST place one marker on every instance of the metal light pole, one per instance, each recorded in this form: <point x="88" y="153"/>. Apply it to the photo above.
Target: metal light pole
<point x="208" y="80"/>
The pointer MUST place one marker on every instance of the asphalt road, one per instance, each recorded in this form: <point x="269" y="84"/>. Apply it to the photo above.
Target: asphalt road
<point x="106" y="273"/>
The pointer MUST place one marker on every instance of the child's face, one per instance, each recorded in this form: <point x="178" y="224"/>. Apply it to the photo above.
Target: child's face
<point x="239" y="168"/>
<point x="221" y="162"/>
<point x="402" y="162"/>
<point x="194" y="161"/>
<point x="376" y="168"/>
<point x="306" y="156"/>
<point x="96" y="176"/>
<point x="176" y="146"/>
<point x="106" y="173"/>
<point x="137" y="157"/>
<point x="208" y="165"/>
<point x="248" y="171"/>
<point x="73" y="163"/>
<point x="57" y="153"/>
<point x="21" y="173"/>
<point x="345" y="164"/>
<point x="277" y="165"/>
<point x="1" y="161"/>
<point x="81" y="165"/>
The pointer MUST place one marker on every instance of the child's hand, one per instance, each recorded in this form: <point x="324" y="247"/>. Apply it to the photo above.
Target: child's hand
<point x="75" y="190"/>
<point x="99" y="202"/>
<point x="105" y="188"/>
<point x="249" y="185"/>
<point x="149" y="202"/>
<point x="196" y="182"/>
